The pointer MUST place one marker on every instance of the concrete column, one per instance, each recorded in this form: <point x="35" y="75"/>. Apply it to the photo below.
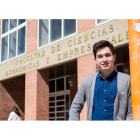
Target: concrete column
<point x="134" y="52"/>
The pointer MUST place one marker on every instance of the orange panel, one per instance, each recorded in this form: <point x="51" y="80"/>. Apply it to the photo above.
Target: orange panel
<point x="134" y="54"/>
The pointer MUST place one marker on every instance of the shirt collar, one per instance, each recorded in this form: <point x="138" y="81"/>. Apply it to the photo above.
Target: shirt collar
<point x="113" y="76"/>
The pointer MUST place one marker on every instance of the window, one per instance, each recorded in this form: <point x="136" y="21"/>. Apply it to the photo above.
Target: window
<point x="59" y="75"/>
<point x="43" y="32"/>
<point x="59" y="89"/>
<point x="55" y="29"/>
<point x="59" y="106"/>
<point x="12" y="38"/>
<point x="122" y="59"/>
<point x="102" y="21"/>
<point x="13" y="23"/>
<point x="58" y="79"/>
<point x="4" y="25"/>
<point x="69" y="26"/>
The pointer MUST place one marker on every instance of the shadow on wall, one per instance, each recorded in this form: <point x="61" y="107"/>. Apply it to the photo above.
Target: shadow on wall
<point x="12" y="94"/>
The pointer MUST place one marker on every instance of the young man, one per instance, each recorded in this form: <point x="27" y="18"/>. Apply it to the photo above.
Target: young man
<point x="107" y="93"/>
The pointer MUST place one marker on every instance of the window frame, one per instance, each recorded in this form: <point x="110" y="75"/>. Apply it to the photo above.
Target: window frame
<point x="62" y="32"/>
<point x="8" y="34"/>
<point x="60" y="77"/>
<point x="98" y="24"/>
<point x="59" y="93"/>
<point x="55" y="106"/>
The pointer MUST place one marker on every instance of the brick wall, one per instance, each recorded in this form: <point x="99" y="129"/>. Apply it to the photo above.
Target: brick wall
<point x="37" y="95"/>
<point x="85" y="24"/>
<point x="12" y="94"/>
<point x="43" y="95"/>
<point x="31" y="37"/>
<point x="30" y="95"/>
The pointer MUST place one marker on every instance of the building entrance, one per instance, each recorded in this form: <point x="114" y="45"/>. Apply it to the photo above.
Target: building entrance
<point x="59" y="105"/>
<point x="122" y="60"/>
<point x="62" y="83"/>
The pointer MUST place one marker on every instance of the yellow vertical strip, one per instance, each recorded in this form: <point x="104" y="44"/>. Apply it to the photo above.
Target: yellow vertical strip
<point x="134" y="54"/>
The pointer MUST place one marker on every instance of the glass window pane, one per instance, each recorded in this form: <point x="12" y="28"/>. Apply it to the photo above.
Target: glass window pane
<point x="67" y="115"/>
<point x="55" y="29"/>
<point x="52" y="115"/>
<point x="4" y="25"/>
<point x="60" y="108"/>
<point x="51" y="99"/>
<point x="51" y="109"/>
<point x="60" y="119"/>
<point x="60" y="71"/>
<point x="60" y="114"/>
<point x="21" y="41"/>
<point x="43" y="32"/>
<point x="51" y="104"/>
<point x="67" y="83"/>
<point x="60" y="84"/>
<point x="51" y="119"/>
<point x="13" y="23"/>
<point x="67" y="102"/>
<point x="4" y="49"/>
<point x="122" y="55"/>
<point x="69" y="26"/>
<point x="126" y="68"/>
<point x="71" y="68"/>
<point x="12" y="45"/>
<point x="52" y="73"/>
<point x="60" y="97"/>
<point x="52" y="86"/>
<point x="60" y="103"/>
<point x="120" y="68"/>
<point x="20" y="21"/>
<point x="101" y="20"/>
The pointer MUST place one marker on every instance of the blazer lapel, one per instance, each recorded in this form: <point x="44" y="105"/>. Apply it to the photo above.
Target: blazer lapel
<point x="116" y="103"/>
<point x="92" y="89"/>
<point x="92" y="94"/>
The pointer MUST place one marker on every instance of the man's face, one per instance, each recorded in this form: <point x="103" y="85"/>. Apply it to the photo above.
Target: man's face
<point x="105" y="59"/>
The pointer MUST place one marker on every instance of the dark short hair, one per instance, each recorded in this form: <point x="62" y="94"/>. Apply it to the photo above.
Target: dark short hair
<point x="101" y="44"/>
<point x="15" y="109"/>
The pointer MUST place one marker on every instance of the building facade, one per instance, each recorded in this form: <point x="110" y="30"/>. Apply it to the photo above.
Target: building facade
<point x="43" y="62"/>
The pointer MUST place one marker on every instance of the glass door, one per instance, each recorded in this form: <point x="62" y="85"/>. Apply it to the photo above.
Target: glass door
<point x="59" y="106"/>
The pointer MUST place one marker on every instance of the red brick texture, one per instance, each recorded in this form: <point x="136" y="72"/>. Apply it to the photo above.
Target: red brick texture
<point x="37" y="95"/>
<point x="85" y="24"/>
<point x="30" y="95"/>
<point x="43" y="95"/>
<point x="31" y="37"/>
<point x="12" y="93"/>
<point x="86" y="65"/>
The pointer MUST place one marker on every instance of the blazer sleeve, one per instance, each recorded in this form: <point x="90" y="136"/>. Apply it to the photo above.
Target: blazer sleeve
<point x="78" y="102"/>
<point x="129" y="111"/>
